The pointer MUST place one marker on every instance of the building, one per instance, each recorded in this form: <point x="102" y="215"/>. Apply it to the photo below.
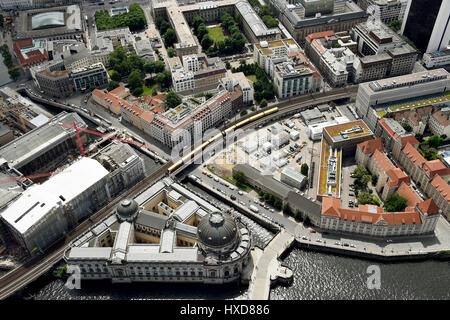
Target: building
<point x="59" y="22"/>
<point x="56" y="83"/>
<point x="312" y="116"/>
<point x="112" y="100"/>
<point x="166" y="234"/>
<point x="92" y="76"/>
<point x="198" y="73"/>
<point x="431" y="31"/>
<point x="377" y="98"/>
<point x="45" y="212"/>
<point x="42" y="149"/>
<point x="30" y="52"/>
<point x="373" y="221"/>
<point x="284" y="62"/>
<point x="108" y="40"/>
<point x="297" y="201"/>
<point x="124" y="165"/>
<point x="293" y="178"/>
<point x="6" y="134"/>
<point x="301" y="22"/>
<point x="145" y="50"/>
<point x="254" y="28"/>
<point x="439" y="122"/>
<point x="238" y="82"/>
<point x="347" y="135"/>
<point x="16" y="4"/>
<point x="385" y="10"/>
<point x="376" y="38"/>
<point x="436" y="59"/>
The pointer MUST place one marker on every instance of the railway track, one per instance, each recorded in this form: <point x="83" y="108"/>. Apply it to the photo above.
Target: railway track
<point x="20" y="277"/>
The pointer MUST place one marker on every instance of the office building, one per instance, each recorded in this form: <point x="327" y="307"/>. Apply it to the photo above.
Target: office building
<point x="385" y="10"/>
<point x="91" y="76"/>
<point x="436" y="59"/>
<point x="427" y="25"/>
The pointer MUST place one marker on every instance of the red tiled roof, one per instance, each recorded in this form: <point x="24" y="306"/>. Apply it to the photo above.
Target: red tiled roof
<point x="429" y="207"/>
<point x="370" y="146"/>
<point x="318" y="35"/>
<point x="409" y="139"/>
<point x="436" y="167"/>
<point x="442" y="187"/>
<point x="147" y="116"/>
<point x="413" y="154"/>
<point x="408" y="193"/>
<point x="387" y="128"/>
<point x="397" y="176"/>
<point x="382" y="161"/>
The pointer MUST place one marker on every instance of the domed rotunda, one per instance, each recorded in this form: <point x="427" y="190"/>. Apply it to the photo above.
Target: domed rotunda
<point x="127" y="210"/>
<point x="217" y="232"/>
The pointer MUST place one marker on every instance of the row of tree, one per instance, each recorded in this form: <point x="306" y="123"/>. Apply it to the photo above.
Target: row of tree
<point x="13" y="71"/>
<point x="134" y="19"/>
<point x="265" y="13"/>
<point x="168" y="34"/>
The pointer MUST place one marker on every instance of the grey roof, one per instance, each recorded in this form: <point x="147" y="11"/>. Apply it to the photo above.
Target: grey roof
<point x="151" y="219"/>
<point x="300" y="202"/>
<point x="90" y="253"/>
<point x="309" y="115"/>
<point x="127" y="208"/>
<point x="167" y="241"/>
<point x="23" y="150"/>
<point x="267" y="183"/>
<point x="149" y="193"/>
<point x="190" y="230"/>
<point x="186" y="210"/>
<point x="217" y="229"/>
<point x="253" y="20"/>
<point x="151" y="253"/>
<point x="47" y="20"/>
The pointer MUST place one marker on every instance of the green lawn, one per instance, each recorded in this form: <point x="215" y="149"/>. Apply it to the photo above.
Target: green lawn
<point x="216" y="34"/>
<point x="148" y="90"/>
<point x="252" y="78"/>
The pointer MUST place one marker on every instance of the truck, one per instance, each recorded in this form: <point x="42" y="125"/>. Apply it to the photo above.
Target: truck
<point x="253" y="208"/>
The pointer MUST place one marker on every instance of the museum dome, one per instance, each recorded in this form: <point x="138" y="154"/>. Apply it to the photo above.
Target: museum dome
<point x="127" y="209"/>
<point x="217" y="230"/>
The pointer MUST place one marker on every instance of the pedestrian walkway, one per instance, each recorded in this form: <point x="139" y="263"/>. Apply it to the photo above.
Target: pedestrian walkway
<point x="268" y="269"/>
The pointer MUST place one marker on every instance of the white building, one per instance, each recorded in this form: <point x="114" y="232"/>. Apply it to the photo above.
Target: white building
<point x="439" y="122"/>
<point x="293" y="178"/>
<point x="16" y="4"/>
<point x="436" y="59"/>
<point x="45" y="212"/>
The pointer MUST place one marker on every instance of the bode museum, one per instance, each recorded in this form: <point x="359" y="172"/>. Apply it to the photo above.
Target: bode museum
<point x="165" y="234"/>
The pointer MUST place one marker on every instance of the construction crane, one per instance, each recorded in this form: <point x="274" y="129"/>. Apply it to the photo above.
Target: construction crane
<point x="18" y="109"/>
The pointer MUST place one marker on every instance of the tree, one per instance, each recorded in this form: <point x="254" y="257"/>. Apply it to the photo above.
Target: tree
<point x="307" y="221"/>
<point x="164" y="79"/>
<point x="137" y="91"/>
<point x="263" y="103"/>
<point x="435" y="141"/>
<point x="241" y="179"/>
<point x="407" y="127"/>
<point x="135" y="80"/>
<point x="2" y="20"/>
<point x="395" y="203"/>
<point x="112" y="85"/>
<point x="173" y="99"/>
<point x="201" y="31"/>
<point x="171" y="52"/>
<point x="270" y="21"/>
<point x="287" y="209"/>
<point x="367" y="198"/>
<point x="374" y="179"/>
<point x="298" y="216"/>
<point x="136" y="62"/>
<point x="395" y="25"/>
<point x="206" y="42"/>
<point x="336" y="45"/>
<point x="228" y="65"/>
<point x="243" y="112"/>
<point x="304" y="169"/>
<point x="170" y="37"/>
<point x="196" y="22"/>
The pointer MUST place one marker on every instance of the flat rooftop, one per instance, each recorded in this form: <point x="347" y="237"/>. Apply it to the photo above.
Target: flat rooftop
<point x="335" y="131"/>
<point x="38" y="200"/>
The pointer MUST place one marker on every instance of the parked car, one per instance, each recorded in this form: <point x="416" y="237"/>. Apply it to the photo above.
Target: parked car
<point x="233" y="197"/>
<point x="240" y="193"/>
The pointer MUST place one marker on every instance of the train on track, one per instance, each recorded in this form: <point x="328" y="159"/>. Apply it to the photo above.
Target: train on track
<point x="190" y="155"/>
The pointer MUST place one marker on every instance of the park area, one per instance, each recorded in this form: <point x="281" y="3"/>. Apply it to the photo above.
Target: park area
<point x="216" y="34"/>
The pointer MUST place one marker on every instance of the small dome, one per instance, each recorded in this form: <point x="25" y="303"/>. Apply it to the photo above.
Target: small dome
<point x="216" y="230"/>
<point x="127" y="208"/>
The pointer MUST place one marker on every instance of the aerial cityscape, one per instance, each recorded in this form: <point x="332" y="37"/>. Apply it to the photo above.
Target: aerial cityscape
<point x="224" y="150"/>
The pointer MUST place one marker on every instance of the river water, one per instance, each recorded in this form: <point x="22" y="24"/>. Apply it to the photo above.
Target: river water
<point x="316" y="276"/>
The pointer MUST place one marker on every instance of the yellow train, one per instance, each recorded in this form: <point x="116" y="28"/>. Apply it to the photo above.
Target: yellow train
<point x="238" y="125"/>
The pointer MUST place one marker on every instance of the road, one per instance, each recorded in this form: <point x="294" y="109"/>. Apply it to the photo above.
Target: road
<point x="17" y="278"/>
